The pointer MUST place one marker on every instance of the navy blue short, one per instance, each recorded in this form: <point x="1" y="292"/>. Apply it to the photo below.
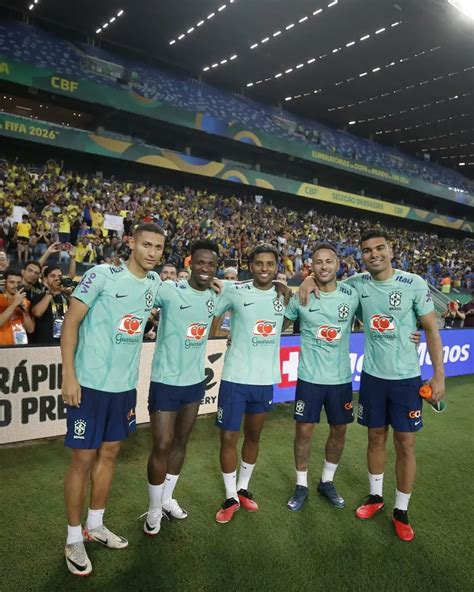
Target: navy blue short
<point x="101" y="417"/>
<point x="235" y="400"/>
<point x="385" y="402"/>
<point x="166" y="397"/>
<point x="336" y="399"/>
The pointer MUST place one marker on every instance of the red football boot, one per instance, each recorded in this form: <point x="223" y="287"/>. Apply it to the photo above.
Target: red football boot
<point x="370" y="507"/>
<point x="246" y="501"/>
<point x="227" y="510"/>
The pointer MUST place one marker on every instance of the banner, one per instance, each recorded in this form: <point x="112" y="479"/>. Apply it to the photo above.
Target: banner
<point x="46" y="133"/>
<point x="126" y="99"/>
<point x="31" y="406"/>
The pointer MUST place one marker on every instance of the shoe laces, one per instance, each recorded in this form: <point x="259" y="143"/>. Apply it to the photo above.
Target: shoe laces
<point x="172" y="504"/>
<point x="154" y="514"/>
<point x="78" y="552"/>
<point x="245" y="493"/>
<point x="229" y="503"/>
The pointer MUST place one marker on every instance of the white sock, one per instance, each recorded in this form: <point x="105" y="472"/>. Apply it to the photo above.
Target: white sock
<point x="402" y="500"/>
<point x="376" y="484"/>
<point x="302" y="478"/>
<point x="245" y="473"/>
<point x="168" y="486"/>
<point x="95" y="518"/>
<point x="155" y="493"/>
<point x="328" y="471"/>
<point x="230" y="483"/>
<point x="74" y="534"/>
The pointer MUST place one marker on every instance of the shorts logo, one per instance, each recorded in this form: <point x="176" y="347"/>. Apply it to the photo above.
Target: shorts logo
<point x="329" y="333"/>
<point x="360" y="411"/>
<point x="299" y="407"/>
<point x="381" y="323"/>
<point x="220" y="413"/>
<point x="348" y="406"/>
<point x="264" y="328"/>
<point x="131" y="417"/>
<point x="414" y="414"/>
<point x="210" y="306"/>
<point x="149" y="299"/>
<point x="130" y="324"/>
<point x="277" y="305"/>
<point x="395" y="299"/>
<point x="196" y="331"/>
<point x="343" y="310"/>
<point x="79" y="429"/>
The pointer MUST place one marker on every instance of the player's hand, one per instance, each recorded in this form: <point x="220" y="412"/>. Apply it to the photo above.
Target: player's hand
<point x="438" y="387"/>
<point x="19" y="297"/>
<point x="308" y="287"/>
<point x="415" y="337"/>
<point x="283" y="290"/>
<point x="217" y="285"/>
<point x="229" y="340"/>
<point x="71" y="392"/>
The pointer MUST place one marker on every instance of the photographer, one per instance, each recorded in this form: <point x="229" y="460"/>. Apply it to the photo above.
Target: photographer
<point x="30" y="275"/>
<point x="15" y="320"/>
<point x="50" y="308"/>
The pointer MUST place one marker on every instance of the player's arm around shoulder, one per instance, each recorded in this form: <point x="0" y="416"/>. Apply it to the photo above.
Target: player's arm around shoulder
<point x="435" y="349"/>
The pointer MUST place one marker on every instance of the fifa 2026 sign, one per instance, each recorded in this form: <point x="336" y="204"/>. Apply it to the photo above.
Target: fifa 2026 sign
<point x="31" y="406"/>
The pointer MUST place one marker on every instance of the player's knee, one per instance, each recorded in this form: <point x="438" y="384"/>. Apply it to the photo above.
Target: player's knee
<point x="109" y="451"/>
<point x="338" y="433"/>
<point x="377" y="437"/>
<point x="252" y="435"/>
<point x="229" y="439"/>
<point x="404" y="443"/>
<point x="83" y="460"/>
<point x="162" y="446"/>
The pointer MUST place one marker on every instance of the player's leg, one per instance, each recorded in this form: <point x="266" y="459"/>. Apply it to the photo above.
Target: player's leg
<point x="308" y="404"/>
<point x="230" y="410"/>
<point x="339" y="412"/>
<point x="185" y="420"/>
<point x="406" y="419"/>
<point x="119" y="424"/>
<point x="373" y="413"/>
<point x="162" y="430"/>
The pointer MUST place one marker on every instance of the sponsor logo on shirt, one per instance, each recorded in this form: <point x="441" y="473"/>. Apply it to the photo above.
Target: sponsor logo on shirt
<point x="264" y="328"/>
<point x="404" y="280"/>
<point x="196" y="331"/>
<point x="130" y="324"/>
<point x="329" y="333"/>
<point x="86" y="282"/>
<point x="114" y="270"/>
<point x="380" y="323"/>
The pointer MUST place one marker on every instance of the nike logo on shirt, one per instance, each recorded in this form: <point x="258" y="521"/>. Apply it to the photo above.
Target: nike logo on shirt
<point x="183" y="307"/>
<point x="365" y="295"/>
<point x="121" y="295"/>
<point x="314" y="309"/>
<point x="248" y="303"/>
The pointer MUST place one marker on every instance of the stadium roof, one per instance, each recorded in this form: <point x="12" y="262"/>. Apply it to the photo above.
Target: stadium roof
<point x="400" y="72"/>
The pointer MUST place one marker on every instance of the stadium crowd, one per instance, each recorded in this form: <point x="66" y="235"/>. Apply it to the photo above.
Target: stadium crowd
<point x="58" y="217"/>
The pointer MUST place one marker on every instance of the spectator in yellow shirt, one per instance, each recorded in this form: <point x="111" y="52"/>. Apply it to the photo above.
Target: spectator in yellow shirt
<point x="23" y="230"/>
<point x="97" y="218"/>
<point x="64" y="231"/>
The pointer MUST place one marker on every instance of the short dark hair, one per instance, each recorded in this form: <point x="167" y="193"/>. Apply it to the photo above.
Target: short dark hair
<point x="148" y="227"/>
<point x="204" y="245"/>
<point x="168" y="265"/>
<point x="11" y="271"/>
<point x="325" y="245"/>
<point x="32" y="262"/>
<point x="265" y="248"/>
<point x="49" y="269"/>
<point x="373" y="233"/>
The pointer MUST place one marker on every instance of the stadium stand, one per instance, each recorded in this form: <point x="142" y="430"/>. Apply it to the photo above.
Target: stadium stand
<point x="31" y="45"/>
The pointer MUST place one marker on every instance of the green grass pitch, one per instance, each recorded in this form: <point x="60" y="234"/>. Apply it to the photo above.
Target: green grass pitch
<point x="320" y="548"/>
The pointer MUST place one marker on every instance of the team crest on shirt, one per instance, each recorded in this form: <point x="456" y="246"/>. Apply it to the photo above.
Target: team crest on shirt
<point x="149" y="300"/>
<point x="395" y="300"/>
<point x="79" y="429"/>
<point x="211" y="306"/>
<point x="343" y="310"/>
<point x="277" y="305"/>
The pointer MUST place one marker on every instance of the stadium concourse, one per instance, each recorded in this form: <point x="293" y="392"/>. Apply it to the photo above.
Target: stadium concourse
<point x="71" y="207"/>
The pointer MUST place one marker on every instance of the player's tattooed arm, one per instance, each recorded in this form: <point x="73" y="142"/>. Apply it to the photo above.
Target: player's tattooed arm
<point x="435" y="349"/>
<point x="307" y="287"/>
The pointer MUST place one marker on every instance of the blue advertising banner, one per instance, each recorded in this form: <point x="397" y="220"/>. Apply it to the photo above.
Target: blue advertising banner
<point x="458" y="347"/>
